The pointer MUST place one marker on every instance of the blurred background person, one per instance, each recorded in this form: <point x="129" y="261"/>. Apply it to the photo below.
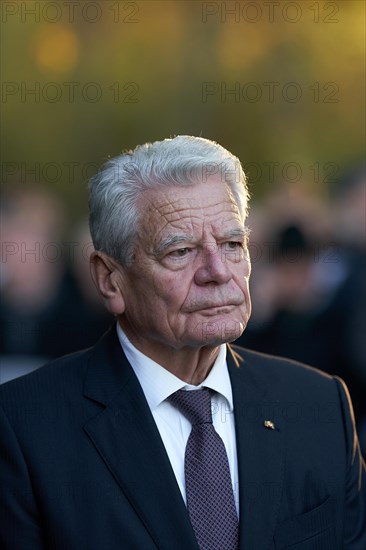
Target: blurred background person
<point x="45" y="305"/>
<point x="349" y="223"/>
<point x="309" y="282"/>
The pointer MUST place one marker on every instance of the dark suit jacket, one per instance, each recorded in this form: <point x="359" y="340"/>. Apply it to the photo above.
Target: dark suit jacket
<point x="83" y="466"/>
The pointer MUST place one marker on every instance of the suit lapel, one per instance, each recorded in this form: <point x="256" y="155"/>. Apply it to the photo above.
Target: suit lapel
<point x="260" y="454"/>
<point x="127" y="439"/>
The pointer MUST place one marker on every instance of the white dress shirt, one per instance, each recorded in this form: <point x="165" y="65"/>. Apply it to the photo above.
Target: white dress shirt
<point x="158" y="384"/>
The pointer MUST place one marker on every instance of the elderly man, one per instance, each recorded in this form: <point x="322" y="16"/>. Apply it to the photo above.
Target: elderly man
<point x="163" y="436"/>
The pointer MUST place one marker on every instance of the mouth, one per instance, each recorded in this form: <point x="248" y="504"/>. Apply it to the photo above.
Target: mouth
<point x="216" y="309"/>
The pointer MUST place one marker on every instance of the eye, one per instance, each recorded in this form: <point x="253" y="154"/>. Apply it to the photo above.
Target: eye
<point x="179" y="253"/>
<point x="233" y="245"/>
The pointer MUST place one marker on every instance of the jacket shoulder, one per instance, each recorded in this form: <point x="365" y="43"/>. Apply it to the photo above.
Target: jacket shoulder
<point x="48" y="380"/>
<point x="282" y="373"/>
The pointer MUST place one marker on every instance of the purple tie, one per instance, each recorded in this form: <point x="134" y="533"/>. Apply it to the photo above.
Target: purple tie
<point x="210" y="497"/>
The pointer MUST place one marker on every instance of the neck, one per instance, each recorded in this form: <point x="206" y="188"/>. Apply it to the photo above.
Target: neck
<point x="192" y="365"/>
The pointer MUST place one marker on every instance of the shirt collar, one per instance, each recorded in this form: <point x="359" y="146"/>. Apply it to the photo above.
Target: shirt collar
<point x="158" y="383"/>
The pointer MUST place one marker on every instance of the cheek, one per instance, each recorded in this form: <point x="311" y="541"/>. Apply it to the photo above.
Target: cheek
<point x="247" y="272"/>
<point x="241" y="273"/>
<point x="174" y="294"/>
<point x="247" y="265"/>
<point x="171" y="288"/>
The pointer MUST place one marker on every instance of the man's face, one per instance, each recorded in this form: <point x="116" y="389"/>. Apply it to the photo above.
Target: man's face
<point x="188" y="283"/>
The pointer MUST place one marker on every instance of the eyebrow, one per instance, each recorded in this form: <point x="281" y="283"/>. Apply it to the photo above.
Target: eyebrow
<point x="171" y="240"/>
<point x="237" y="232"/>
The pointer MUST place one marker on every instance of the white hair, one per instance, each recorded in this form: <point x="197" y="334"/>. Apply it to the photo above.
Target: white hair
<point x="184" y="160"/>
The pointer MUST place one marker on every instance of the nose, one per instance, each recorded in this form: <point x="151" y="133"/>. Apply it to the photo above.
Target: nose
<point x="213" y="268"/>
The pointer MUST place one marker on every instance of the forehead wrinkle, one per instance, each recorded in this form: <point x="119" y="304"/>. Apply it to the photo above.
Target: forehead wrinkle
<point x="228" y="224"/>
<point x="187" y="214"/>
<point x="171" y="211"/>
<point x="164" y="204"/>
<point x="182" y="228"/>
<point x="158" y="229"/>
<point x="194" y="222"/>
<point x="170" y="204"/>
<point x="202" y="215"/>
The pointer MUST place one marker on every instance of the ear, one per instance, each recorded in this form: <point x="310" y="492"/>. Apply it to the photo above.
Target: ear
<point x="107" y="277"/>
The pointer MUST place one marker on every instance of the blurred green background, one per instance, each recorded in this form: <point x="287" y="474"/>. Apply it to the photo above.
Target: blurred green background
<point x="280" y="84"/>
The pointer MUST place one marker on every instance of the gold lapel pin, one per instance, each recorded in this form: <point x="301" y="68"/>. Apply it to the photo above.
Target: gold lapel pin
<point x="269" y="424"/>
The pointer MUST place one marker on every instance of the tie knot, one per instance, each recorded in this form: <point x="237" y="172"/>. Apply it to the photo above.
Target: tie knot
<point x="195" y="405"/>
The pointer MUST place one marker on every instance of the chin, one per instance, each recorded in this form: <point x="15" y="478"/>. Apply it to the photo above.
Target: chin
<point x="218" y="331"/>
